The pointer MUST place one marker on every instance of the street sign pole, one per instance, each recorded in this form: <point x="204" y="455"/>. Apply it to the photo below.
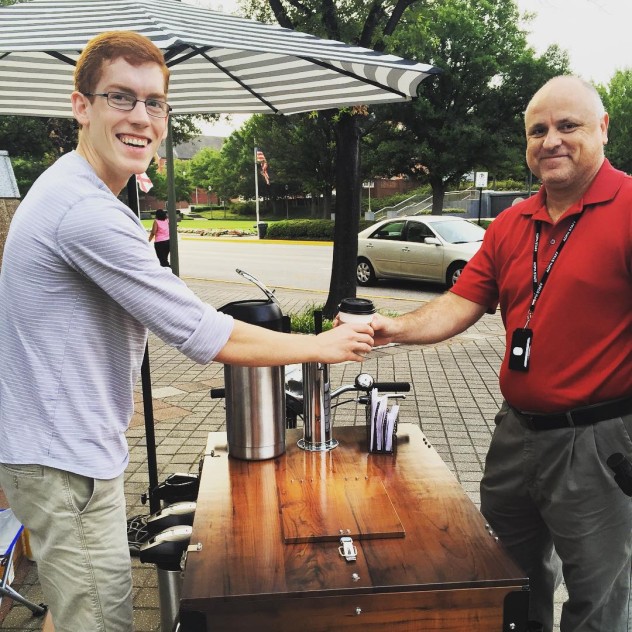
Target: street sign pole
<point x="480" y="183"/>
<point x="369" y="185"/>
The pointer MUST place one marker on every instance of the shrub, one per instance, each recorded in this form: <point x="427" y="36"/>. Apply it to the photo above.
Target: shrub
<point x="249" y="207"/>
<point x="306" y="229"/>
<point x="303" y="322"/>
<point x="484" y="223"/>
<point x="509" y="185"/>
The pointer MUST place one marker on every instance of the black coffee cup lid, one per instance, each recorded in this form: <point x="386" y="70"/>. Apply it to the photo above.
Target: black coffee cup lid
<point x="356" y="306"/>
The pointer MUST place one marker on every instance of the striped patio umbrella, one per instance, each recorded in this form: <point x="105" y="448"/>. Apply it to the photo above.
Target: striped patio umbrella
<point x="219" y="63"/>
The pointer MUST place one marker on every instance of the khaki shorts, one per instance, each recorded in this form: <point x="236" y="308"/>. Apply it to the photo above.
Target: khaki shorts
<point x="78" y="533"/>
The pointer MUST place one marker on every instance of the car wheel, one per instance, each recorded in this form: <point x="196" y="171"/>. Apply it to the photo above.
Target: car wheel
<point x="454" y="272"/>
<point x="365" y="275"/>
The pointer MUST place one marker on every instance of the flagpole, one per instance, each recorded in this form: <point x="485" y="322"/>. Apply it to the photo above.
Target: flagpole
<point x="256" y="191"/>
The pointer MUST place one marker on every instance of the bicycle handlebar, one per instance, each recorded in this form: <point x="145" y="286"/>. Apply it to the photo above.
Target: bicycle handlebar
<point x="384" y="387"/>
<point x="403" y="387"/>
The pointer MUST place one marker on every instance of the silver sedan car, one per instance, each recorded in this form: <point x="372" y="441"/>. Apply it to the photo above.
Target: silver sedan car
<point x="425" y="247"/>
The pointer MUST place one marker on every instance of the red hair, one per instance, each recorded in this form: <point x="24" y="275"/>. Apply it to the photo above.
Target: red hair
<point x="136" y="49"/>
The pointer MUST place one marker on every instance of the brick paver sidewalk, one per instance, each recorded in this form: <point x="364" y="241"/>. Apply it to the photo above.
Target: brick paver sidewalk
<point x="454" y="397"/>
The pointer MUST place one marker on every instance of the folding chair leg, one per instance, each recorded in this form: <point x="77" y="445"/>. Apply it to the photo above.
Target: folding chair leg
<point x="37" y="610"/>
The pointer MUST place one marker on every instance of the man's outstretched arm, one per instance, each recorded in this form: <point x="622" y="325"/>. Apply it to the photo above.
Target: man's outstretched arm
<point x="438" y="320"/>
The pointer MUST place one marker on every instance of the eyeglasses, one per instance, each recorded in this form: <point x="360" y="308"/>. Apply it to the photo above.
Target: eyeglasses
<point x="127" y="102"/>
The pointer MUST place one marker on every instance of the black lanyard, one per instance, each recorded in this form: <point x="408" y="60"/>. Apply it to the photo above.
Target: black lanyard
<point x="539" y="286"/>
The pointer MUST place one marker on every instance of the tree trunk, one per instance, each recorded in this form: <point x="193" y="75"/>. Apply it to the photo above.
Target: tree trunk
<point x="438" y="195"/>
<point x="347" y="209"/>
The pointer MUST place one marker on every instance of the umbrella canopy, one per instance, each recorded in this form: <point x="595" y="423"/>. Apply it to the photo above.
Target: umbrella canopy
<point x="219" y="63"/>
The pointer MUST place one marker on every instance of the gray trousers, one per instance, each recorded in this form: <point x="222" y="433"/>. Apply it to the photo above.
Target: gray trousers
<point x="78" y="533"/>
<point x="553" y="502"/>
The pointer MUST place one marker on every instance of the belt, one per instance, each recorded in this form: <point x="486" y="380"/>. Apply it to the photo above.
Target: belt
<point x="584" y="416"/>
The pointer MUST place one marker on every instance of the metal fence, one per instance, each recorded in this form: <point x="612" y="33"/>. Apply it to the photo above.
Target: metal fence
<point x="468" y="202"/>
<point x="418" y="204"/>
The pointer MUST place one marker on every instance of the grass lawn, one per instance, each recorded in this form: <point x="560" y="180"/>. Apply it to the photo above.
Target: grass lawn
<point x="218" y="219"/>
<point x="240" y="224"/>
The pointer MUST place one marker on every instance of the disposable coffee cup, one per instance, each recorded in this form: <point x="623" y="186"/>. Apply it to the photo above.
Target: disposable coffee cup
<point x="356" y="310"/>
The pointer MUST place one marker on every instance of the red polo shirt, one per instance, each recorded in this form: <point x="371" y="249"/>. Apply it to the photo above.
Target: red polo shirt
<point x="582" y="324"/>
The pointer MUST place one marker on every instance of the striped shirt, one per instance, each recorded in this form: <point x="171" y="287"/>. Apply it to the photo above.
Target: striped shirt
<point x="80" y="286"/>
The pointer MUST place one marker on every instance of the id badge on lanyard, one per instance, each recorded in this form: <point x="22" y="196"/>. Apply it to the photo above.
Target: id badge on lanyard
<point x="522" y="338"/>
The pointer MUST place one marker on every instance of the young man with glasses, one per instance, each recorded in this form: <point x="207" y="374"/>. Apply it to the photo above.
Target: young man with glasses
<point x="79" y="289"/>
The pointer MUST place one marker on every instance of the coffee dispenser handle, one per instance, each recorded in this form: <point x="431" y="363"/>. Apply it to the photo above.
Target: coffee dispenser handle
<point x="269" y="293"/>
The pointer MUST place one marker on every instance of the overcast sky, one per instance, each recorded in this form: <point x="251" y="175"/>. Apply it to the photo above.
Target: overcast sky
<point x="596" y="33"/>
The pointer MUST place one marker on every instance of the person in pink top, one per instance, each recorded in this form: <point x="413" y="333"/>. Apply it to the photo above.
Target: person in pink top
<point x="160" y="232"/>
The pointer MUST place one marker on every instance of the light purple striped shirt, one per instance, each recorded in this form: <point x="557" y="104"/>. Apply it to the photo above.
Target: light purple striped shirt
<point x="80" y="285"/>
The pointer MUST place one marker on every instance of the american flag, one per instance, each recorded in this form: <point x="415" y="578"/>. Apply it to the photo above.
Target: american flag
<point x="144" y="183"/>
<point x="264" y="165"/>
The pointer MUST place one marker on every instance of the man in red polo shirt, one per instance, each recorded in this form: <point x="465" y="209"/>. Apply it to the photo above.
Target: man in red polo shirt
<point x="559" y="266"/>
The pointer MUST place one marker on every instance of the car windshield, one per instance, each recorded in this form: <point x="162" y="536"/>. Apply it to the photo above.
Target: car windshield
<point x="460" y="232"/>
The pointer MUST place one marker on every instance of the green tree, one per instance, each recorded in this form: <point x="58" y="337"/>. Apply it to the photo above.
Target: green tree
<point x="204" y="166"/>
<point x="300" y="150"/>
<point x="617" y="99"/>
<point x="34" y="144"/>
<point x="183" y="181"/>
<point x="158" y="181"/>
<point x="469" y="117"/>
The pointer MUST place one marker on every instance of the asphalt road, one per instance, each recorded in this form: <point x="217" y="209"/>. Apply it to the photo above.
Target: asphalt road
<point x="299" y="266"/>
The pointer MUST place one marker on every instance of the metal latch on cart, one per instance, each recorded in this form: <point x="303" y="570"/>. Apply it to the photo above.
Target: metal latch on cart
<point x="347" y="549"/>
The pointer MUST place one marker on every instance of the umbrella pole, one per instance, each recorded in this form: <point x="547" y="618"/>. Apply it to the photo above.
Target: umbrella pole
<point x="148" y="407"/>
<point x="174" y="258"/>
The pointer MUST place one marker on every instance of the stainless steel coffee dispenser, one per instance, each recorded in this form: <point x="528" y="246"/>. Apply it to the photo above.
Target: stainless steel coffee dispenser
<point x="255" y="396"/>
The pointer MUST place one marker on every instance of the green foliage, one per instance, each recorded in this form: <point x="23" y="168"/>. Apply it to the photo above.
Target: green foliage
<point x="300" y="151"/>
<point x="182" y="181"/>
<point x="617" y="99"/>
<point x="26" y="171"/>
<point x="303" y="322"/>
<point x="508" y="185"/>
<point x="246" y="208"/>
<point x="206" y="169"/>
<point x="33" y="137"/>
<point x="303" y="229"/>
<point x="484" y="223"/>
<point x="306" y="229"/>
<point x="469" y="117"/>
<point x="159" y="182"/>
